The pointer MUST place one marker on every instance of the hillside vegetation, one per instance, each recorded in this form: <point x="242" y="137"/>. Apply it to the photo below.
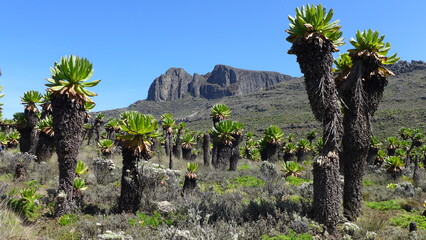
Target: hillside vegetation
<point x="286" y="105"/>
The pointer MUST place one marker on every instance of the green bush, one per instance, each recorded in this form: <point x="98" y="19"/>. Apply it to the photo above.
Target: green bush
<point x="404" y="220"/>
<point x="67" y="219"/>
<point x="290" y="236"/>
<point x="384" y="205"/>
<point x="248" y="181"/>
<point x="26" y="202"/>
<point x="152" y="221"/>
<point x="296" y="181"/>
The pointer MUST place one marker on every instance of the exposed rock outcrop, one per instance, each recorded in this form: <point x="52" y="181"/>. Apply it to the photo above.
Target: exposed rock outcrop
<point x="223" y="81"/>
<point x="404" y="66"/>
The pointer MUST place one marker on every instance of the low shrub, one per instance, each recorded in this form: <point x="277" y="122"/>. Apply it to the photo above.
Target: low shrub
<point x="384" y="205"/>
<point x="404" y="220"/>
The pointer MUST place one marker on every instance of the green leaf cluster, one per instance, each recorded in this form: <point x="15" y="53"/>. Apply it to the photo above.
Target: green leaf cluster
<point x="67" y="219"/>
<point x="192" y="167"/>
<point x="71" y="77"/>
<point x="26" y="203"/>
<point x="273" y="135"/>
<point x="314" y="19"/>
<point x="30" y="99"/>
<point x="138" y="129"/>
<point x="370" y="41"/>
<point x="291" y="168"/>
<point x="225" y="130"/>
<point x="220" y="111"/>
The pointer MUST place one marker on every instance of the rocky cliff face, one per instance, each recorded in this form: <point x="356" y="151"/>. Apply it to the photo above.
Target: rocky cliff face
<point x="223" y="81"/>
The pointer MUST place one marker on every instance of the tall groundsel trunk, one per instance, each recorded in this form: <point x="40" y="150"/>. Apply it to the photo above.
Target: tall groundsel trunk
<point x="315" y="59"/>
<point x="131" y="188"/>
<point x="68" y="118"/>
<point x="361" y="94"/>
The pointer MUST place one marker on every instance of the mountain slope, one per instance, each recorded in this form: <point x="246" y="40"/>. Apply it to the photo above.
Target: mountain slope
<point x="286" y="105"/>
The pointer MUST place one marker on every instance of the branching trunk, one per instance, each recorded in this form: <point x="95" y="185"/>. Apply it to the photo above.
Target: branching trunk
<point x="68" y="118"/>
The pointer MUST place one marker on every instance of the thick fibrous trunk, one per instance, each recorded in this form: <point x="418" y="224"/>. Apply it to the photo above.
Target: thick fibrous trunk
<point x="169" y="146"/>
<point x="31" y="121"/>
<point x="270" y="152"/>
<point x="177" y="149"/>
<point x="24" y="139"/>
<point x="45" y="147"/>
<point x="361" y="94"/>
<point x="206" y="149"/>
<point x="314" y="56"/>
<point x="235" y="156"/>
<point x="223" y="155"/>
<point x="371" y="156"/>
<point x="68" y="118"/>
<point x="131" y="187"/>
<point x="288" y="157"/>
<point x="190" y="182"/>
<point x="187" y="154"/>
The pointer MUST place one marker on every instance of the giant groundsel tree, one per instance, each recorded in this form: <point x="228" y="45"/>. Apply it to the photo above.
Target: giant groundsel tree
<point x="68" y="83"/>
<point x="139" y="130"/>
<point x="314" y="38"/>
<point x="361" y="82"/>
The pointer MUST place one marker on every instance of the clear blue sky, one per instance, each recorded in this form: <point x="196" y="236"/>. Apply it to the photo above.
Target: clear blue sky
<point x="132" y="42"/>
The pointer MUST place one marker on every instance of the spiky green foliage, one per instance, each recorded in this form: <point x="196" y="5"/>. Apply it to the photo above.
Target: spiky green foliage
<point x="375" y="142"/>
<point x="393" y="142"/>
<point x="81" y="168"/>
<point x="100" y="116"/>
<point x="19" y="118"/>
<point x="291" y="168"/>
<point x="192" y="167"/>
<point x="46" y="126"/>
<point x="167" y="122"/>
<point x="30" y="99"/>
<point x="220" y="112"/>
<point x="290" y="148"/>
<point x="291" y="137"/>
<point x="223" y="131"/>
<point x="303" y="144"/>
<point x="369" y="40"/>
<point x="79" y="184"/>
<point x="26" y="202"/>
<point x="314" y="20"/>
<point x="112" y="123"/>
<point x="343" y="63"/>
<point x="188" y="141"/>
<point x="71" y="77"/>
<point x="273" y="135"/>
<point x="3" y="139"/>
<point x="105" y="143"/>
<point x="394" y="164"/>
<point x="138" y="131"/>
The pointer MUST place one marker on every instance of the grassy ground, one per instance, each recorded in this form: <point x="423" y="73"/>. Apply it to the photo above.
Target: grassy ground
<point x="254" y="202"/>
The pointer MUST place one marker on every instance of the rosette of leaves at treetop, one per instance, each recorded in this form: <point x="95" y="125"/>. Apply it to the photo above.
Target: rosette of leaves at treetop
<point x="138" y="131"/>
<point x="314" y="20"/>
<point x="46" y="126"/>
<point x="225" y="131"/>
<point x="70" y="76"/>
<point x="369" y="46"/>
<point x="30" y="99"/>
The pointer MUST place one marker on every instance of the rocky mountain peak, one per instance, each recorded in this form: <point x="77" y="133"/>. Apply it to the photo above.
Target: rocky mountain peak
<point x="223" y="81"/>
